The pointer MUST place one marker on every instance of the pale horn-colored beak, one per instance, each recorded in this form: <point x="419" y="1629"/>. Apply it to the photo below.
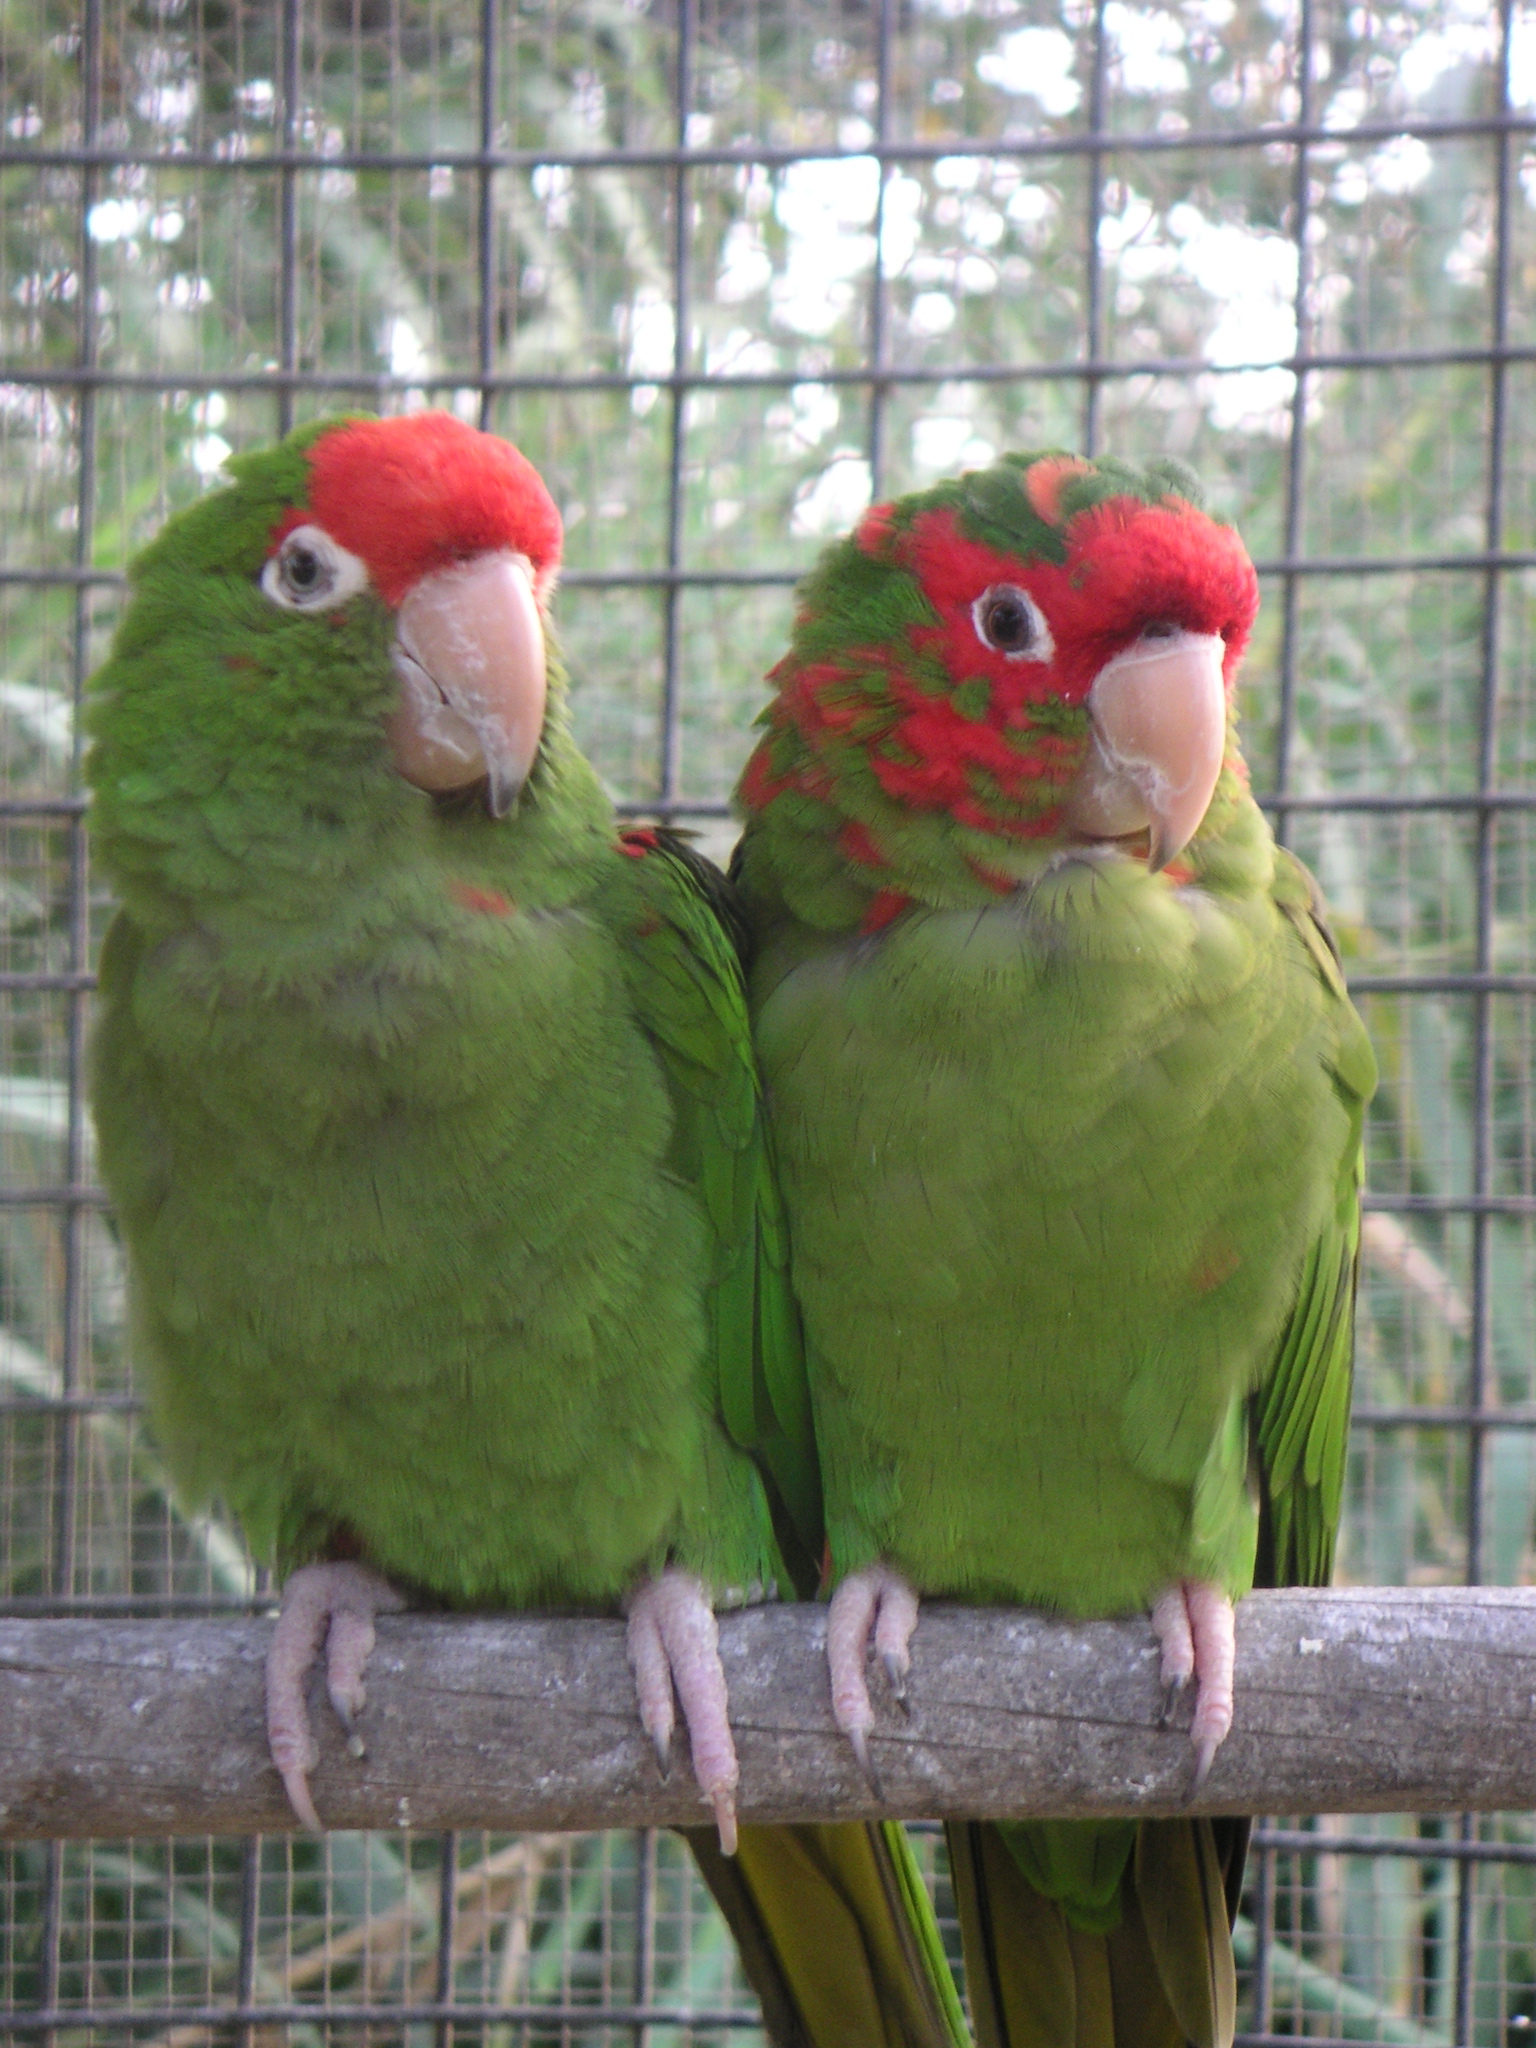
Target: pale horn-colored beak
<point x="469" y="651"/>
<point x="1159" y="713"/>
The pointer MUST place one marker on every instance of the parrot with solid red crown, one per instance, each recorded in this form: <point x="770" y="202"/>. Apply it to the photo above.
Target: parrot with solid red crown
<point x="426" y="1099"/>
<point x="1067" y="1098"/>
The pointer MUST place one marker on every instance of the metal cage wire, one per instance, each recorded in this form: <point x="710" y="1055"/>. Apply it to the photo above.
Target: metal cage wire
<point x="74" y="381"/>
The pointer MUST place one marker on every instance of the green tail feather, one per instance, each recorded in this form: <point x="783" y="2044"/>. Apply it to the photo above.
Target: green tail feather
<point x="836" y="1934"/>
<point x="1063" y="1971"/>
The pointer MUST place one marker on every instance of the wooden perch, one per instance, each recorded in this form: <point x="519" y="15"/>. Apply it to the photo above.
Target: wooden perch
<point x="1347" y="1702"/>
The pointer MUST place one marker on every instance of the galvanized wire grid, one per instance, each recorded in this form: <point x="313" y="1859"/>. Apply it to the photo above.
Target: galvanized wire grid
<point x="727" y="268"/>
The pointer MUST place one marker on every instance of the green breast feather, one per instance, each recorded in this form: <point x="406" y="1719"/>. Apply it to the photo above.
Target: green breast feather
<point x="1060" y="1172"/>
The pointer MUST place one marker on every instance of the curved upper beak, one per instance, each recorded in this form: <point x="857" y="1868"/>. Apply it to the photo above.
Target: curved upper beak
<point x="1159" y="713"/>
<point x="469" y="651"/>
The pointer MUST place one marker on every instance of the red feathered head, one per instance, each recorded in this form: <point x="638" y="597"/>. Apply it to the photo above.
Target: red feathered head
<point x="419" y="491"/>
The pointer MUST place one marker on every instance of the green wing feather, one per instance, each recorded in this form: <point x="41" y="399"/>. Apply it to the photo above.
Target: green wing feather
<point x="1301" y="1421"/>
<point x="685" y="972"/>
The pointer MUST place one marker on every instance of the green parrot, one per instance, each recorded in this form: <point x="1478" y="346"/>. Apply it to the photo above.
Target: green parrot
<point x="1066" y="1096"/>
<point x="426" y="1100"/>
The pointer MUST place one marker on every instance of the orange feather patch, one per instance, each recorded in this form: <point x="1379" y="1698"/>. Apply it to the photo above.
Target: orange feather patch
<point x="488" y="902"/>
<point x="1043" y="482"/>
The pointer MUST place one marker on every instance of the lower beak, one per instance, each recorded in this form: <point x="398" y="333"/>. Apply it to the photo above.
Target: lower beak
<point x="1159" y="715"/>
<point x="469" y="651"/>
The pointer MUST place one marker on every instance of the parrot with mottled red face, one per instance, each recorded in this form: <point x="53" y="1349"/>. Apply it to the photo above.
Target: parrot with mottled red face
<point x="426" y="1100"/>
<point x="1067" y="1098"/>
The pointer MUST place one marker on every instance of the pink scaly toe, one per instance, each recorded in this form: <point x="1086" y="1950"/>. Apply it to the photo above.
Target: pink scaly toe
<point x="675" y="1644"/>
<point x="874" y="1602"/>
<point x="334" y="1605"/>
<point x="1170" y="1624"/>
<point x="1195" y="1625"/>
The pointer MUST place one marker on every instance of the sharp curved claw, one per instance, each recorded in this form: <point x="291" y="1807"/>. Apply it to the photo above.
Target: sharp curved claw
<point x="293" y="1750"/>
<point x="674" y="1644"/>
<point x="331" y="1605"/>
<point x="858" y="1742"/>
<point x="724" y="1803"/>
<point x="1195" y="1627"/>
<point x="296" y="1785"/>
<point x="356" y="1747"/>
<point x="875" y="1601"/>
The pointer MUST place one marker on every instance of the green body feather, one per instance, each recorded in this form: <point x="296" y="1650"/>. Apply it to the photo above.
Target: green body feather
<point x="436" y="1146"/>
<point x="1087" y="1235"/>
<point x="1071" y="1155"/>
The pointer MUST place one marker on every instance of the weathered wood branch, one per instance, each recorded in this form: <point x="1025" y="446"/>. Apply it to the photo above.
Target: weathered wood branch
<point x="1347" y="1702"/>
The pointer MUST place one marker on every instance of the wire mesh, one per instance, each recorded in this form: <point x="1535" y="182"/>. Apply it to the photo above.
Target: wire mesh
<point x="727" y="269"/>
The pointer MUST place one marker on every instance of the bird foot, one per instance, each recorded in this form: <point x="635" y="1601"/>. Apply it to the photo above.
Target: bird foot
<point x="1197" y="1632"/>
<point x="334" y="1605"/>
<point x="674" y="1643"/>
<point x="873" y="1603"/>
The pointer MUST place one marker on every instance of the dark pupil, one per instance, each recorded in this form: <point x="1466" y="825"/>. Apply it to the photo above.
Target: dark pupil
<point x="303" y="569"/>
<point x="1008" y="623"/>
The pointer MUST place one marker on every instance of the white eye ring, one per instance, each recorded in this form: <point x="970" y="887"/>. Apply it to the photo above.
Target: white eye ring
<point x="312" y="573"/>
<point x="1008" y="620"/>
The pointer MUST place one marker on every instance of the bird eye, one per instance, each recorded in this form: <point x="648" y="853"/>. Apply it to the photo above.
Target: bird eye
<point x="310" y="572"/>
<point x="1008" y="620"/>
<point x="303" y="573"/>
